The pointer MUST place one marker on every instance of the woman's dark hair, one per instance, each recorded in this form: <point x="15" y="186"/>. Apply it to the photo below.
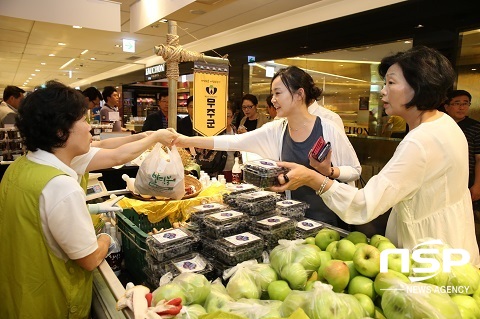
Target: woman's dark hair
<point x="46" y="116"/>
<point x="250" y="97"/>
<point x="427" y="71"/>
<point x="295" y="78"/>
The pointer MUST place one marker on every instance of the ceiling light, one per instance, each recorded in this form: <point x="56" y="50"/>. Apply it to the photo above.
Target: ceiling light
<point x="84" y="51"/>
<point x="92" y="59"/>
<point x="474" y="69"/>
<point x="419" y="26"/>
<point x="163" y="20"/>
<point x="29" y="78"/>
<point x="51" y="54"/>
<point x="37" y="70"/>
<point x="70" y="61"/>
<point x="118" y="46"/>
<point x="77" y="27"/>
<point x="43" y="63"/>
<point x="61" y="43"/>
<point x="197" y="12"/>
<point x="407" y="42"/>
<point x="33" y="74"/>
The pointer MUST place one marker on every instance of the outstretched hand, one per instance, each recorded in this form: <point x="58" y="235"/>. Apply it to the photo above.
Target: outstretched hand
<point x="166" y="137"/>
<point x="297" y="176"/>
<point x="324" y="166"/>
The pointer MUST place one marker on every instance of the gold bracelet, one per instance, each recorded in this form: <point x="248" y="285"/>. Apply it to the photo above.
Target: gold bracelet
<point x="322" y="187"/>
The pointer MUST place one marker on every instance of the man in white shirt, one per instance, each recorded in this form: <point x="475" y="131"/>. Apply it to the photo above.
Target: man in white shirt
<point x="12" y="97"/>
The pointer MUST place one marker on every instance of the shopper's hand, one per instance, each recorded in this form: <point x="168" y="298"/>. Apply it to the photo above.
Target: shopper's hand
<point x="166" y="136"/>
<point x="323" y="167"/>
<point x="297" y="176"/>
<point x="242" y="129"/>
<point x="182" y="141"/>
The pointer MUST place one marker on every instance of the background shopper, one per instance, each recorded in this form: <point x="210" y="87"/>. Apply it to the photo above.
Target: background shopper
<point x="291" y="138"/>
<point x="12" y="97"/>
<point x="158" y="120"/>
<point x="252" y="119"/>
<point x="109" y="112"/>
<point x="426" y="179"/>
<point x="93" y="96"/>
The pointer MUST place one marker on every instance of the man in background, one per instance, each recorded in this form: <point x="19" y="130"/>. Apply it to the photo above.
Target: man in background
<point x="93" y="96"/>
<point x="159" y="119"/>
<point x="109" y="112"/>
<point x="457" y="106"/>
<point x="12" y="97"/>
<point x="185" y="125"/>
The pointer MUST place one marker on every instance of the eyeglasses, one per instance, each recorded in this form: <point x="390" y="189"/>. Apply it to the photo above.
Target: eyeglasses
<point x="461" y="104"/>
<point x="247" y="107"/>
<point x="229" y="115"/>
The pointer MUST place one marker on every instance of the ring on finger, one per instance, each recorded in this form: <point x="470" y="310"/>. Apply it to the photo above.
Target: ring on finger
<point x="285" y="177"/>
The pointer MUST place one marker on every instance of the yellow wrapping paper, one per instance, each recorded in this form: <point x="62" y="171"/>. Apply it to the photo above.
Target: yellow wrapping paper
<point x="175" y="210"/>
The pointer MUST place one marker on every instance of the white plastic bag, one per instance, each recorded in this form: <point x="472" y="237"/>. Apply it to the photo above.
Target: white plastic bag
<point x="161" y="174"/>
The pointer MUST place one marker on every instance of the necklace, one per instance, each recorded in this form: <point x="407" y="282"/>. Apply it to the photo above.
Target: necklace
<point x="296" y="129"/>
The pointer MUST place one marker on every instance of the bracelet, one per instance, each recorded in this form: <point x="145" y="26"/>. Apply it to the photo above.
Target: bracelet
<point x="322" y="187"/>
<point x="332" y="171"/>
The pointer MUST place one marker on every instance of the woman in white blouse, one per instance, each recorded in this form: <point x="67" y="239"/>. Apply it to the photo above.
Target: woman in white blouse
<point x="426" y="180"/>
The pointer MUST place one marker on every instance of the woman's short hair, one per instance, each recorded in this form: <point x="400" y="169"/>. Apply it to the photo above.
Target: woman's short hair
<point x="46" y="116"/>
<point x="295" y="78"/>
<point x="427" y="71"/>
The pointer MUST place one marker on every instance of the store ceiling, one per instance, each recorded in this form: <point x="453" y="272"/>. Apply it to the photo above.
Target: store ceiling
<point x="25" y="45"/>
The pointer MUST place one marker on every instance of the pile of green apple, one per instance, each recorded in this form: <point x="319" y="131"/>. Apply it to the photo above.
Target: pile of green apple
<point x="332" y="277"/>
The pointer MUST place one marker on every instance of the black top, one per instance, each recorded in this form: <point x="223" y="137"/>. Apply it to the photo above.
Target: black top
<point x="250" y="124"/>
<point x="185" y="126"/>
<point x="471" y="129"/>
<point x="153" y="122"/>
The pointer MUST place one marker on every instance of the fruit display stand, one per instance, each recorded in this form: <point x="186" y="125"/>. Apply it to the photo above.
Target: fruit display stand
<point x="139" y="217"/>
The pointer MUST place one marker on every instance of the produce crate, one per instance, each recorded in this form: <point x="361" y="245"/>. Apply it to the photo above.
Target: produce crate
<point x="134" y="228"/>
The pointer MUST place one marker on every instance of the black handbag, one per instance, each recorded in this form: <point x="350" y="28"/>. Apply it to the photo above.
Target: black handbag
<point x="211" y="161"/>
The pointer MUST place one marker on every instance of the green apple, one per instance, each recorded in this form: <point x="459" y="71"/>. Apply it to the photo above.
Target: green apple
<point x="351" y="268"/>
<point x="467" y="305"/>
<point x="376" y="238"/>
<point x="385" y="244"/>
<point x="345" y="250"/>
<point x="278" y="290"/>
<point x="264" y="275"/>
<point x="310" y="240"/>
<point x="218" y="300"/>
<point x="332" y="248"/>
<point x="337" y="274"/>
<point x="395" y="263"/>
<point x="362" y="285"/>
<point x="367" y="260"/>
<point x="357" y="237"/>
<point x="476" y="296"/>
<point x="295" y="274"/>
<point x="307" y="255"/>
<point x="366" y="303"/>
<point x="325" y="236"/>
<point x="294" y="300"/>
<point x="324" y="257"/>
<point x="360" y="245"/>
<point x="384" y="280"/>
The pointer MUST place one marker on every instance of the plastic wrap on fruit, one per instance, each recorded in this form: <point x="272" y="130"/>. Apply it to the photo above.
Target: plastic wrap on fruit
<point x="242" y="282"/>
<point x="218" y="299"/>
<point x="426" y="301"/>
<point x="256" y="309"/>
<point x="325" y="304"/>
<point x="284" y="253"/>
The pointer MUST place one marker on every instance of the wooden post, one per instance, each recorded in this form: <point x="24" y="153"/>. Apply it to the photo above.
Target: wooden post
<point x="172" y="86"/>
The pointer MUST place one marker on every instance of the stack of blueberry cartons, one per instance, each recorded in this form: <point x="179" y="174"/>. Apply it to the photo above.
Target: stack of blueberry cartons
<point x="198" y="213"/>
<point x="258" y="205"/>
<point x="221" y="225"/>
<point x="171" y="244"/>
<point x="292" y="209"/>
<point x="233" y="190"/>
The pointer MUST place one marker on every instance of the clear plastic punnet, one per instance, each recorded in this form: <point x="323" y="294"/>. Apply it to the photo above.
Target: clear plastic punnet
<point x="192" y="262"/>
<point x="198" y="213"/>
<point x="171" y="243"/>
<point x="256" y="203"/>
<point x="308" y="228"/>
<point x="237" y="248"/>
<point x="234" y="190"/>
<point x="292" y="208"/>
<point x="262" y="173"/>
<point x="274" y="228"/>
<point x="224" y="224"/>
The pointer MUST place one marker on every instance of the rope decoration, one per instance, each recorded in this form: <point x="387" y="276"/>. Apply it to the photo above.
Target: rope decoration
<point x="173" y="53"/>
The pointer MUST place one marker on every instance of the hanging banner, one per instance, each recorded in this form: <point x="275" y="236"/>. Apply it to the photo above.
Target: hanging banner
<point x="210" y="102"/>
